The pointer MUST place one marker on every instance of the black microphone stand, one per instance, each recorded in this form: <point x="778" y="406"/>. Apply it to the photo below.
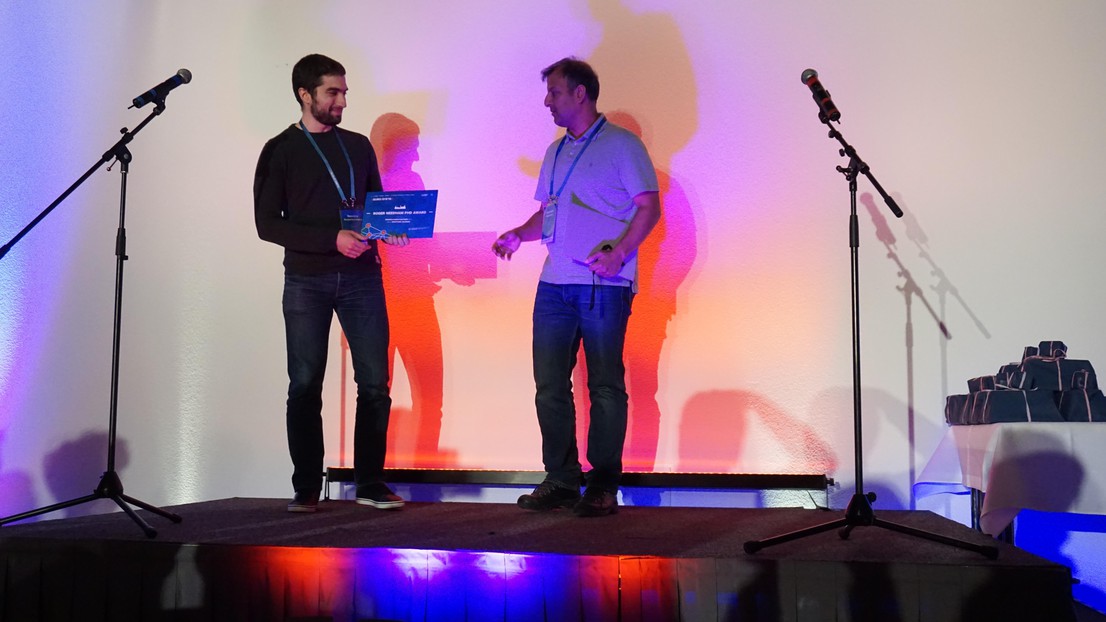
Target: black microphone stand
<point x="859" y="512"/>
<point x="110" y="486"/>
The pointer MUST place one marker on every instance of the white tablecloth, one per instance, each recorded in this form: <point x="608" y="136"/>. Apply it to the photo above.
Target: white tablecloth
<point x="1052" y="467"/>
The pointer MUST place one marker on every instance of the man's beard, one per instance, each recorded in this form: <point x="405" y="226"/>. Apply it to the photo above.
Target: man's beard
<point x="324" y="116"/>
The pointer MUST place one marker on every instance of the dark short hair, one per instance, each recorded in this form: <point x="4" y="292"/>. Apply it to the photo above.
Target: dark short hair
<point x="576" y="72"/>
<point x="309" y="71"/>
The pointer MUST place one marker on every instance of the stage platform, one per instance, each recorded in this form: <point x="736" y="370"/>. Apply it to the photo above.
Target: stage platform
<point x="248" y="559"/>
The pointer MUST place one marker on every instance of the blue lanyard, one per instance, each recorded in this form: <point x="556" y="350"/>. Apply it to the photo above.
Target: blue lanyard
<point x="352" y="181"/>
<point x="553" y="172"/>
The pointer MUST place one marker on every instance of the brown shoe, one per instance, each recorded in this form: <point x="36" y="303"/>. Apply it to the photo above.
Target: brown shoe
<point x="549" y="496"/>
<point x="596" y="502"/>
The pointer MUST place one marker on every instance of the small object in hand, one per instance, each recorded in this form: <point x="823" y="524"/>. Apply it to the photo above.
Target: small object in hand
<point x="609" y="248"/>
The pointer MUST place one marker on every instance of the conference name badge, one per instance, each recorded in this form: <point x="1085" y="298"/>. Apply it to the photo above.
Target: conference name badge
<point x="549" y="220"/>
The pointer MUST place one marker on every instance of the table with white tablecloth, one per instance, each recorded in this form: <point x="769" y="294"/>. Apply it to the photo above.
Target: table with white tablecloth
<point x="1046" y="466"/>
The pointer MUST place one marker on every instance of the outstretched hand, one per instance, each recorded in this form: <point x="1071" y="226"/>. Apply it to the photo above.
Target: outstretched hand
<point x="506" y="245"/>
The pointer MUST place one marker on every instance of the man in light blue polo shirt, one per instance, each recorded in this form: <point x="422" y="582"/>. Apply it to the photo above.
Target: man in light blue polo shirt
<point x="598" y="193"/>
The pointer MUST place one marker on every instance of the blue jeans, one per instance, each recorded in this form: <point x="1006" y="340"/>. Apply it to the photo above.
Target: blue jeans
<point x="565" y="316"/>
<point x="310" y="302"/>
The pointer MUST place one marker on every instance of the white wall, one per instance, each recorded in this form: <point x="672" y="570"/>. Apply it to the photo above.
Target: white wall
<point x="983" y="120"/>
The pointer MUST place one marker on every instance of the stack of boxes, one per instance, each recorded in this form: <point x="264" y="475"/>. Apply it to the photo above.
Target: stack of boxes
<point x="1045" y="386"/>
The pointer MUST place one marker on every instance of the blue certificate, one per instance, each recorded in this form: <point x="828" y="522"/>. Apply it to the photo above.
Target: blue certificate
<point x="398" y="212"/>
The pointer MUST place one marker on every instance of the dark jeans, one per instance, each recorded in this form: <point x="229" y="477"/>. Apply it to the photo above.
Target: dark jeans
<point x="565" y="315"/>
<point x="310" y="302"/>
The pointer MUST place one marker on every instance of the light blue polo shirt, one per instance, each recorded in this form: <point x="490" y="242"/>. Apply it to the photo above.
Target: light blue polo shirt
<point x="597" y="203"/>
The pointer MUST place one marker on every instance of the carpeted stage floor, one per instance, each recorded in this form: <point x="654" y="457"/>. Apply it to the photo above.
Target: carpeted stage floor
<point x="248" y="559"/>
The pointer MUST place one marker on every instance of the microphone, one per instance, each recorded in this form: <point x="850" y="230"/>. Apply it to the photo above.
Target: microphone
<point x="159" y="92"/>
<point x="821" y="95"/>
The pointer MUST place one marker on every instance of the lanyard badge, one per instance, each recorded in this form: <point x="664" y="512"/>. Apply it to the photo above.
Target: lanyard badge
<point x="351" y="217"/>
<point x="549" y="220"/>
<point x="549" y="213"/>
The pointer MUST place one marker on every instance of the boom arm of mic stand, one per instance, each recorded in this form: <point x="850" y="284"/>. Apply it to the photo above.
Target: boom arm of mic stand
<point x="117" y="150"/>
<point x="848" y="150"/>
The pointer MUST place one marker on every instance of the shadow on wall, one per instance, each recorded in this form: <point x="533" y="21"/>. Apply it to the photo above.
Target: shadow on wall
<point x="664" y="261"/>
<point x="713" y="432"/>
<point x="942" y="285"/>
<point x="16" y="486"/>
<point x="878" y="408"/>
<point x="934" y="304"/>
<point x="74" y="470"/>
<point x="411" y="279"/>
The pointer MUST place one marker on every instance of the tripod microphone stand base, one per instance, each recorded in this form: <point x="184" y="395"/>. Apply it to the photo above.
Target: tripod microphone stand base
<point x="109" y="488"/>
<point x="860" y="514"/>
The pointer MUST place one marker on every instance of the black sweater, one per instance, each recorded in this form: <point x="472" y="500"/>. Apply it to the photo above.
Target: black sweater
<point x="297" y="206"/>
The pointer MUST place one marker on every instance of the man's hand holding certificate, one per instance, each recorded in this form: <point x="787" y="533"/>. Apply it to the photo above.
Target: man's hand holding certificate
<point x="409" y="212"/>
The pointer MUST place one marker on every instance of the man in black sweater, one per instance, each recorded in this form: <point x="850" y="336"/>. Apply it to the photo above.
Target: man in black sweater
<point x="311" y="179"/>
